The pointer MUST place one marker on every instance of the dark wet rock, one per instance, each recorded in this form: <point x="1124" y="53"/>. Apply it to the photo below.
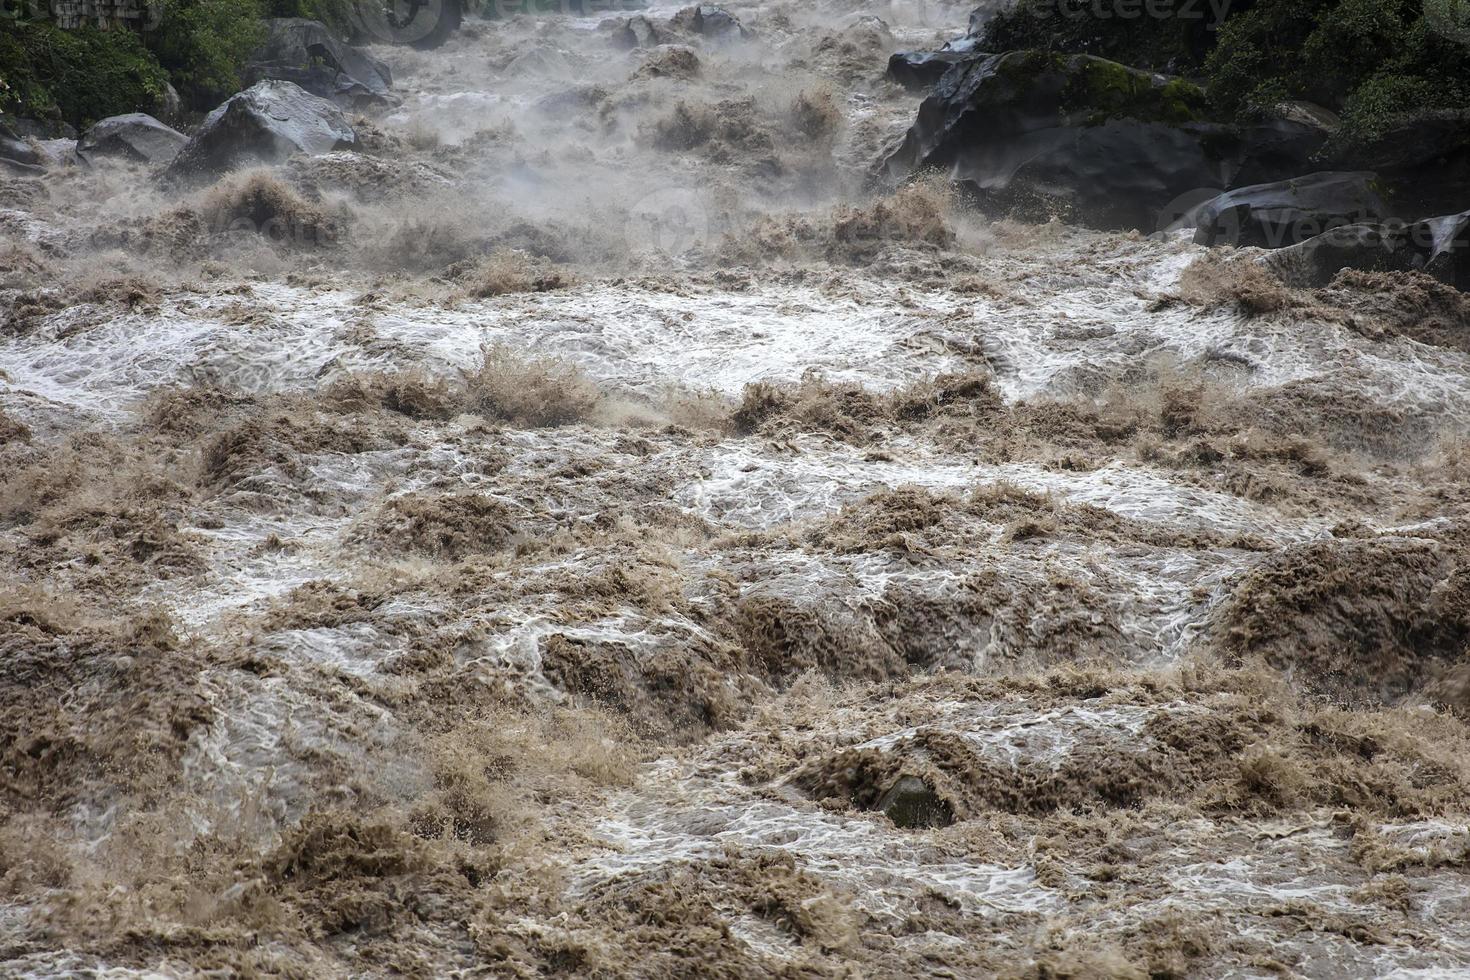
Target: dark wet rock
<point x="1288" y="212"/>
<point x="919" y="70"/>
<point x="1423" y="160"/>
<point x="1285" y="145"/>
<point x="266" y="124"/>
<point x="307" y="53"/>
<point x="912" y="804"/>
<point x="713" y="23"/>
<point x="19" y="155"/>
<point x="134" y="136"/>
<point x="1083" y="138"/>
<point x="1439" y="247"/>
<point x="634" y="32"/>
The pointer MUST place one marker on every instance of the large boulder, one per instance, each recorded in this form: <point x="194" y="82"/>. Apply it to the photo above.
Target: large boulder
<point x="306" y="53"/>
<point x="922" y="70"/>
<point x="134" y="136"/>
<point x="265" y="124"/>
<point x="17" y="152"/>
<point x="1084" y="138"/>
<point x="1037" y="134"/>
<point x="1439" y="247"/>
<point x="1288" y="212"/>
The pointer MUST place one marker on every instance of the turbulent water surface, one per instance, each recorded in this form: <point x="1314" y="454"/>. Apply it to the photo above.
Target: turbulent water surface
<point x="589" y="530"/>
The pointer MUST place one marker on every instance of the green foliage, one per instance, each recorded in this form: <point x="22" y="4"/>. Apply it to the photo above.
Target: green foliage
<point x="1373" y="60"/>
<point x="336" y="14"/>
<point x="1177" y="42"/>
<point x="205" y="43"/>
<point x="81" y="75"/>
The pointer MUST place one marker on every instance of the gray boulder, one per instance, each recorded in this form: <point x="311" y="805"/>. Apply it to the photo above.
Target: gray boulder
<point x="1439" y="247"/>
<point x="306" y="53"/>
<point x="134" y="136"/>
<point x="1288" y="212"/>
<point x="265" y="124"/>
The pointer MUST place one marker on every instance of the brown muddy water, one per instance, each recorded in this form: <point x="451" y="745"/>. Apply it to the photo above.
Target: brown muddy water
<point x="585" y="533"/>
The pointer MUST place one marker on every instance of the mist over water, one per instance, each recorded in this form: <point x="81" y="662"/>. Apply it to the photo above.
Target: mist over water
<point x="591" y="529"/>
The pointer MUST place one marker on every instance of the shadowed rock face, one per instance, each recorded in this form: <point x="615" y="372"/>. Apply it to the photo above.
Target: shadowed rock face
<point x="265" y="124"/>
<point x="1033" y="132"/>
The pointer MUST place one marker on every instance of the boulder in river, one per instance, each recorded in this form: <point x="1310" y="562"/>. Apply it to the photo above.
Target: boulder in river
<point x="1288" y="212"/>
<point x="712" y="23"/>
<point x="912" y="804"/>
<point x="920" y="70"/>
<point x="1075" y="136"/>
<point x="135" y="136"/>
<point x="307" y="53"/>
<point x="1439" y="247"/>
<point x="265" y="124"/>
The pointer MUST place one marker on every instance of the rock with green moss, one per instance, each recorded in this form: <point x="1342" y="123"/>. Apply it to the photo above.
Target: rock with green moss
<point x="1035" y="134"/>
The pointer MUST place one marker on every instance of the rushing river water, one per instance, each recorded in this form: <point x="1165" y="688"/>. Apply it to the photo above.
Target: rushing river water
<point x="559" y="567"/>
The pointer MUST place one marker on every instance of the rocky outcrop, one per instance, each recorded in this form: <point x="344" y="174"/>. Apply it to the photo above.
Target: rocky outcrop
<point x="1071" y="135"/>
<point x="1039" y="135"/>
<point x="306" y="53"/>
<point x="1439" y="247"/>
<point x="265" y="124"/>
<point x="921" y="70"/>
<point x="135" y="136"/>
<point x="1288" y="212"/>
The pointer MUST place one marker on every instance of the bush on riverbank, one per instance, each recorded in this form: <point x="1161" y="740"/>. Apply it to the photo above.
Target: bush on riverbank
<point x="79" y="75"/>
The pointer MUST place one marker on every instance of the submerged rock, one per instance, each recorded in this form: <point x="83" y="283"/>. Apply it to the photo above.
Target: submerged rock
<point x="912" y="804"/>
<point x="306" y="53"/>
<point x="265" y="124"/>
<point x="134" y="136"/>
